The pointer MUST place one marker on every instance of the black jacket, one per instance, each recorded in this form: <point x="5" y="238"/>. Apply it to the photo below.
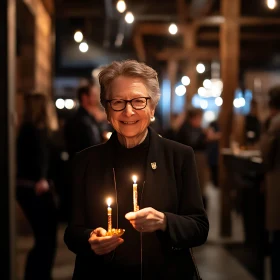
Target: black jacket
<point x="171" y="188"/>
<point x="33" y="153"/>
<point x="81" y="131"/>
<point x="192" y="136"/>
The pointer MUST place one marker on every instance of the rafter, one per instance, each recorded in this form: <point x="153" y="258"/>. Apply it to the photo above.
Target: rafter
<point x="180" y="54"/>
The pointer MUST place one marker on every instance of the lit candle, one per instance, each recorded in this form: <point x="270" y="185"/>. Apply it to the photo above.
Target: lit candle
<point x="135" y="195"/>
<point x="109" y="213"/>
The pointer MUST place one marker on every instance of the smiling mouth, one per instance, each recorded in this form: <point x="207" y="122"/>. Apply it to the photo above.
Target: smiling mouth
<point x="129" y="122"/>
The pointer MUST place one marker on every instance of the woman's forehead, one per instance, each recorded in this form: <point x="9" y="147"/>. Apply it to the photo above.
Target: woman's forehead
<point x="128" y="87"/>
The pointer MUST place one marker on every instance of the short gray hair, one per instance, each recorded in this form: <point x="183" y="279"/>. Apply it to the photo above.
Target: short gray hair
<point x="129" y="68"/>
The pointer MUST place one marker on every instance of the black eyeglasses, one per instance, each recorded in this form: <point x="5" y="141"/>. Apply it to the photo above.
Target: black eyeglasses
<point x="137" y="103"/>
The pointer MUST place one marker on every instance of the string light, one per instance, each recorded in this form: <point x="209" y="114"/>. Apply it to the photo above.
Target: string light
<point x="121" y="6"/>
<point x="271" y="4"/>
<point x="173" y="29"/>
<point x="78" y="36"/>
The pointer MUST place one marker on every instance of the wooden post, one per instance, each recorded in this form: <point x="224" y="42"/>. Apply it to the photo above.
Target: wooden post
<point x="7" y="139"/>
<point x="172" y="67"/>
<point x="229" y="53"/>
<point x="190" y="46"/>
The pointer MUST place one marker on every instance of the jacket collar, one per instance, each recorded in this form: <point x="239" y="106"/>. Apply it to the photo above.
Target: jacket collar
<point x="152" y="153"/>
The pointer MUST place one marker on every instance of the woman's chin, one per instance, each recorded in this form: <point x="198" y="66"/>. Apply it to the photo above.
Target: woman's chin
<point x="130" y="132"/>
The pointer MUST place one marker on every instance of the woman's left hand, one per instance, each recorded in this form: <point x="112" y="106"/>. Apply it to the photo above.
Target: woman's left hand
<point x="147" y="220"/>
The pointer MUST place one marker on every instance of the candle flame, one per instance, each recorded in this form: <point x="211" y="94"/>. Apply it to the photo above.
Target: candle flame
<point x="134" y="178"/>
<point x="109" y="201"/>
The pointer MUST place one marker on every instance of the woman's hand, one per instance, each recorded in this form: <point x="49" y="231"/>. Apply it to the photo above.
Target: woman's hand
<point x="102" y="244"/>
<point x="147" y="220"/>
<point x="42" y="186"/>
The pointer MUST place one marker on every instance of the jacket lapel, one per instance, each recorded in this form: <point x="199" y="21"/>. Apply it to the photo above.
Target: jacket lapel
<point x="153" y="170"/>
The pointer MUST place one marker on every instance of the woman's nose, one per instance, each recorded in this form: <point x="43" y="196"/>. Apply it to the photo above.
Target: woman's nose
<point x="128" y="109"/>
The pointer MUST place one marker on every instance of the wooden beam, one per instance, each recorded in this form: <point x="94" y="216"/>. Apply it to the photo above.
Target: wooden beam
<point x="161" y="29"/>
<point x="214" y="36"/>
<point x="172" y="69"/>
<point x="49" y="6"/>
<point x="181" y="10"/>
<point x="258" y="21"/>
<point x="179" y="54"/>
<point x="157" y="28"/>
<point x="70" y="12"/>
<point x="209" y="21"/>
<point x="139" y="46"/>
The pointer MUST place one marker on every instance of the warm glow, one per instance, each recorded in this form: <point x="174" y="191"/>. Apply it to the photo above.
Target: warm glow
<point x="129" y="17"/>
<point x="69" y="104"/>
<point x="109" y="201"/>
<point x="60" y="103"/>
<point x="185" y="80"/>
<point x="121" y="6"/>
<point x="202" y="92"/>
<point x="78" y="36"/>
<point x="83" y="47"/>
<point x="219" y="101"/>
<point x="207" y="84"/>
<point x="200" y="68"/>
<point x="173" y="29"/>
<point x="271" y="4"/>
<point x="209" y="116"/>
<point x="180" y="90"/>
<point x="134" y="178"/>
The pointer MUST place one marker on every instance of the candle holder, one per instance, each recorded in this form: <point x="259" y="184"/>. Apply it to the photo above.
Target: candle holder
<point x="115" y="231"/>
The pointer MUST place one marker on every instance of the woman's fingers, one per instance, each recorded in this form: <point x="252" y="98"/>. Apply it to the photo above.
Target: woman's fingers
<point x="102" y="244"/>
<point x="102" y="250"/>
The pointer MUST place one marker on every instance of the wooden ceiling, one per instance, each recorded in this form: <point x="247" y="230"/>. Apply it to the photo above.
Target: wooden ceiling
<point x="148" y="39"/>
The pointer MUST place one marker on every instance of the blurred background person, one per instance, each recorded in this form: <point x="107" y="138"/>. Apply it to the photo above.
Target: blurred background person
<point x="176" y="121"/>
<point x="252" y="126"/>
<point x="192" y="133"/>
<point x="213" y="152"/>
<point x="35" y="191"/>
<point x="86" y="127"/>
<point x="270" y="149"/>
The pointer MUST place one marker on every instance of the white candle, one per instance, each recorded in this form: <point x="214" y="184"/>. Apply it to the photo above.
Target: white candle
<point x="109" y="213"/>
<point x="135" y="194"/>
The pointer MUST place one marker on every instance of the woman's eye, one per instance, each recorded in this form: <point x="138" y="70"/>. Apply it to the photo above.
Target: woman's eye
<point x="117" y="102"/>
<point x="139" y="101"/>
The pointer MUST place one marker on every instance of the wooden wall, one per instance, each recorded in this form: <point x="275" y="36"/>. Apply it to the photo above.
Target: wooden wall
<point x="34" y="49"/>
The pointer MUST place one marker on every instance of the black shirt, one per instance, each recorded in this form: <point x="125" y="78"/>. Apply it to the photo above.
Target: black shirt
<point x="129" y="162"/>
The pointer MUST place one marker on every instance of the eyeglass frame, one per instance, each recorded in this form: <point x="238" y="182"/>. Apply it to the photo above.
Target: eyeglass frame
<point x="128" y="101"/>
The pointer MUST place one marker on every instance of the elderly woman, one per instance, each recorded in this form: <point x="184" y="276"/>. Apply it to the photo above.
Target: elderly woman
<point x="171" y="218"/>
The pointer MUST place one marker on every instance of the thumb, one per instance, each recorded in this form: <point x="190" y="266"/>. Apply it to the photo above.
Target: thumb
<point x="130" y="216"/>
<point x="100" y="231"/>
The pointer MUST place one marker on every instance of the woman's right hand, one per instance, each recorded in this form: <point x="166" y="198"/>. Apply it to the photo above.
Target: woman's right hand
<point x="102" y="244"/>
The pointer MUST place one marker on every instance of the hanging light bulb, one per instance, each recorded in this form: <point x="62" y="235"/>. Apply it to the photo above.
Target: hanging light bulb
<point x="200" y="68"/>
<point x="173" y="29"/>
<point x="83" y="47"/>
<point x="271" y="4"/>
<point x="121" y="6"/>
<point x="78" y="36"/>
<point x="129" y="17"/>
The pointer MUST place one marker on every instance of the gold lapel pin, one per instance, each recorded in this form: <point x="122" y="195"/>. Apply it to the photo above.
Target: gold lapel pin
<point x="154" y="165"/>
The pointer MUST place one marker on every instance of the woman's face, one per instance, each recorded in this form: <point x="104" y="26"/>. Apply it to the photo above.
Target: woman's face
<point x="130" y="122"/>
